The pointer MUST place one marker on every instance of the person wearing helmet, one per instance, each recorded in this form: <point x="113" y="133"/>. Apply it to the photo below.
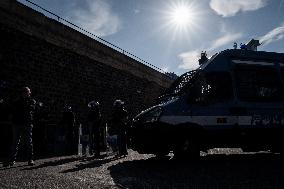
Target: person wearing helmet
<point x="119" y="121"/>
<point x="94" y="122"/>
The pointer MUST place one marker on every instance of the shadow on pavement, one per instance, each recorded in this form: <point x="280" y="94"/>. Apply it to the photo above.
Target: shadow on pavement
<point x="54" y="163"/>
<point x="211" y="171"/>
<point x="91" y="163"/>
<point x="7" y="166"/>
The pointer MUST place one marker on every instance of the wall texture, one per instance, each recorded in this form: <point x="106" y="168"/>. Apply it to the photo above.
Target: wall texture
<point x="63" y="66"/>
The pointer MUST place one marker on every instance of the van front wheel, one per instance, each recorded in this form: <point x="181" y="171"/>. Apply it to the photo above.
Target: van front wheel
<point x="187" y="149"/>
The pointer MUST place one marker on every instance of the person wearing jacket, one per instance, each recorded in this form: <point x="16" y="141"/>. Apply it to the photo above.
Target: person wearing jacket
<point x="23" y="110"/>
<point x="119" y="123"/>
<point x="94" y="122"/>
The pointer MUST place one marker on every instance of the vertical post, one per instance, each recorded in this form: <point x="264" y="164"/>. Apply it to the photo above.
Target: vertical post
<point x="79" y="140"/>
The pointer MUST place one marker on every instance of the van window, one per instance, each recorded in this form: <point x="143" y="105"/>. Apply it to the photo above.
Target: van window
<point x="219" y="86"/>
<point x="212" y="87"/>
<point x="258" y="83"/>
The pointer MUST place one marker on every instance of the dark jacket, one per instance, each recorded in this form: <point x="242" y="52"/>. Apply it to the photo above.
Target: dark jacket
<point x="23" y="110"/>
<point x="94" y="116"/>
<point x="118" y="120"/>
<point x="68" y="118"/>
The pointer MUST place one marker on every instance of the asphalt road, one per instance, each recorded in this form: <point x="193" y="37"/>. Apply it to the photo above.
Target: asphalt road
<point x="220" y="168"/>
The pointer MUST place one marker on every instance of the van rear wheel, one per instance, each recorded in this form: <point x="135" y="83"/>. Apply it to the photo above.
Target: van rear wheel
<point x="187" y="149"/>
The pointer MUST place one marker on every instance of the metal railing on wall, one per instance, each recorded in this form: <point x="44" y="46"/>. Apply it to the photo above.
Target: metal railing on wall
<point x="107" y="43"/>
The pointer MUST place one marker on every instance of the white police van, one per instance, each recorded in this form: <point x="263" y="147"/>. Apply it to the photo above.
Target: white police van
<point x="234" y="99"/>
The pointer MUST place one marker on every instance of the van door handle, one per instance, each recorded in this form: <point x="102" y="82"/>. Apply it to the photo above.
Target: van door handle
<point x="238" y="110"/>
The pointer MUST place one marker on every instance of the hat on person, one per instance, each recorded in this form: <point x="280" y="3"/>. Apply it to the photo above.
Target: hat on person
<point x="118" y="103"/>
<point x="93" y="104"/>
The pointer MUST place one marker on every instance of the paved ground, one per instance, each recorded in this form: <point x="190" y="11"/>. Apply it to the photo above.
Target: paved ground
<point x="219" y="169"/>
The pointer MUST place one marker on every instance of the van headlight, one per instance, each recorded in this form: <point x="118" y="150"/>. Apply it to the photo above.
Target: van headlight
<point x="152" y="115"/>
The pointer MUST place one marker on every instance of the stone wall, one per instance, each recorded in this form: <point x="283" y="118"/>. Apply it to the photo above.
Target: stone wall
<point x="59" y="76"/>
<point x="63" y="66"/>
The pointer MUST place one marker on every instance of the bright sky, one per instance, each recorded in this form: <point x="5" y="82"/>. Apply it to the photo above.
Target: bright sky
<point x="170" y="34"/>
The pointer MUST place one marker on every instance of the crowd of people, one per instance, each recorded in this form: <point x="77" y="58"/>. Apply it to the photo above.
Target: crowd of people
<point x="23" y="113"/>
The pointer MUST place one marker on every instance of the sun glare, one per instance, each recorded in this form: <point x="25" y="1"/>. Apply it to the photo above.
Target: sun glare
<point x="181" y="16"/>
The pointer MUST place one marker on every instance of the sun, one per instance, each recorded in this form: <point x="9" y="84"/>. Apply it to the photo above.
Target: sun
<point x="181" y="16"/>
<point x="181" y="20"/>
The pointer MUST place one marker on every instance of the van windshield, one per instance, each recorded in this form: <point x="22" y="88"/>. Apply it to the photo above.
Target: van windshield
<point x="201" y="86"/>
<point x="211" y="87"/>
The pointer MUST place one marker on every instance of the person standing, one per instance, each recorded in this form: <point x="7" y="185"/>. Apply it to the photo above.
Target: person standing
<point x="68" y="130"/>
<point x="22" y="117"/>
<point x="119" y="123"/>
<point x="94" y="123"/>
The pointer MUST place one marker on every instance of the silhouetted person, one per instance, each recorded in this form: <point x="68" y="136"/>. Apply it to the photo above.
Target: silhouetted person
<point x="94" y="123"/>
<point x="68" y="129"/>
<point x="119" y="123"/>
<point x="203" y="57"/>
<point x="23" y="116"/>
<point x="5" y="129"/>
<point x="41" y="116"/>
<point x="235" y="45"/>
